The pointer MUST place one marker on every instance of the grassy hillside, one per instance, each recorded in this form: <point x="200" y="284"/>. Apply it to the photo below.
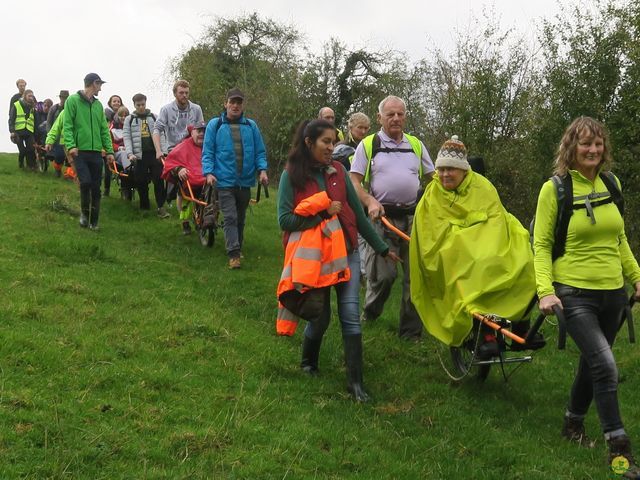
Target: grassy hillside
<point x="134" y="352"/>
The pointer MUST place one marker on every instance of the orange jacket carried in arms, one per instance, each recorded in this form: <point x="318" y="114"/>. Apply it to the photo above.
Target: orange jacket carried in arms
<point x="314" y="258"/>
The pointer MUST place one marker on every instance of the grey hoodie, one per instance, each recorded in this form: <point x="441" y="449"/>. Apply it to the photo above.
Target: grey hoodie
<point x="173" y="122"/>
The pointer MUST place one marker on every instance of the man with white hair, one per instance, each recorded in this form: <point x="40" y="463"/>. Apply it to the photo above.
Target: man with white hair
<point x="327" y="113"/>
<point x="389" y="169"/>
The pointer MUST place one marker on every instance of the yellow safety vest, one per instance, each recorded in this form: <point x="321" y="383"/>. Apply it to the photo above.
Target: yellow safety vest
<point x="368" y="143"/>
<point x="24" y="122"/>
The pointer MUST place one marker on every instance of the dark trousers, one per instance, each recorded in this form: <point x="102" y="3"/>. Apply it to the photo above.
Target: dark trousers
<point x="26" y="149"/>
<point x="593" y="318"/>
<point x="89" y="169"/>
<point x="107" y="176"/>
<point x="234" y="202"/>
<point x="382" y="273"/>
<point x="148" y="169"/>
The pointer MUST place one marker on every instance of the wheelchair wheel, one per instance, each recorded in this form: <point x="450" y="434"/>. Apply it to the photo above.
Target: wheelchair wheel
<point x="463" y="358"/>
<point x="43" y="163"/>
<point x="463" y="362"/>
<point x="207" y="236"/>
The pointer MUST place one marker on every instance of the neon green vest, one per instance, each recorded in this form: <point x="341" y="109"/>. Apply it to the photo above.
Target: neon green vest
<point x="22" y="121"/>
<point x="416" y="146"/>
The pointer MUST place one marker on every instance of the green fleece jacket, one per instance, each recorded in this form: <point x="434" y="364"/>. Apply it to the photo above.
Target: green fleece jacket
<point x="85" y="126"/>
<point x="56" y="134"/>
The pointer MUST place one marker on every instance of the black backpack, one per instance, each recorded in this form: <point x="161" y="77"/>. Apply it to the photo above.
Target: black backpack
<point x="566" y="206"/>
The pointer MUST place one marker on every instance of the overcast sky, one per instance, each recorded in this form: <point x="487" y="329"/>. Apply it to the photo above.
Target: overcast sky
<point x="53" y="43"/>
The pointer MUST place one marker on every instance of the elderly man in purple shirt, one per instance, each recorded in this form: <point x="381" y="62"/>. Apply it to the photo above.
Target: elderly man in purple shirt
<point x="394" y="167"/>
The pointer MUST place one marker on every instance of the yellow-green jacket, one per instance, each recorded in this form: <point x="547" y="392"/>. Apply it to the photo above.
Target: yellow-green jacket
<point x="57" y="131"/>
<point x="597" y="255"/>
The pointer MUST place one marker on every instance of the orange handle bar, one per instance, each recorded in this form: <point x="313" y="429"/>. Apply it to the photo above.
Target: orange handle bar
<point x="498" y="328"/>
<point x="190" y="197"/>
<point x="113" y="166"/>
<point x="395" y="230"/>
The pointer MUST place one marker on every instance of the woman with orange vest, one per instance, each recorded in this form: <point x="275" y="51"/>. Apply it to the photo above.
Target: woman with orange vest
<point x="310" y="171"/>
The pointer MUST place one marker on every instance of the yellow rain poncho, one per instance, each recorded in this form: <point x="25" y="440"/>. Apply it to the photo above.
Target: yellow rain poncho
<point x="467" y="254"/>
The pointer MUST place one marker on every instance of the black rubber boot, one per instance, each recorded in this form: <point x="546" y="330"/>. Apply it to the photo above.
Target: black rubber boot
<point x="621" y="459"/>
<point x="310" y="355"/>
<point x="353" y="359"/>
<point x="85" y="200"/>
<point x="94" y="212"/>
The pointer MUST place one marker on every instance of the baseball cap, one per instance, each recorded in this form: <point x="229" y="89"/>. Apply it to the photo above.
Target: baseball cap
<point x="235" y="93"/>
<point x="197" y="126"/>
<point x="93" y="77"/>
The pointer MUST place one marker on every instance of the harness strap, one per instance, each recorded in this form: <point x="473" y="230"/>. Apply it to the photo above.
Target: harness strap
<point x="589" y="205"/>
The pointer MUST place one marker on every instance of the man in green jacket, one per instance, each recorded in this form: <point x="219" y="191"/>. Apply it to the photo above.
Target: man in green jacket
<point x="86" y="136"/>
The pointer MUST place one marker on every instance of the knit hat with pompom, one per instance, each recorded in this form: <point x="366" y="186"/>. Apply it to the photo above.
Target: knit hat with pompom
<point x="453" y="154"/>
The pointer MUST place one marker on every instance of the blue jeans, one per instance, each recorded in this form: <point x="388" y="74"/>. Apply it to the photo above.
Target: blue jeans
<point x="348" y="305"/>
<point x="593" y="318"/>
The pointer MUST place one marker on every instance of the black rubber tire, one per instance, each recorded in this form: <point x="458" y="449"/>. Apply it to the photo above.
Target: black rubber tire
<point x="462" y="356"/>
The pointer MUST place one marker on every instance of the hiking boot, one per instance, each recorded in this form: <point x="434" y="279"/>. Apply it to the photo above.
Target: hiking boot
<point x="234" y="263"/>
<point x="573" y="430"/>
<point x="162" y="213"/>
<point x="488" y="348"/>
<point x="186" y="228"/>
<point x="621" y="459"/>
<point x="84" y="220"/>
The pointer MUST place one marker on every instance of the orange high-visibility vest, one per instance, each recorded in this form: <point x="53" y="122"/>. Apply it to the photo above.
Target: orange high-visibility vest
<point x="314" y="258"/>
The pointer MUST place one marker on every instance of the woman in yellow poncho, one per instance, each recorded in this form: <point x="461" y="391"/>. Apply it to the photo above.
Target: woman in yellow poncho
<point x="467" y="254"/>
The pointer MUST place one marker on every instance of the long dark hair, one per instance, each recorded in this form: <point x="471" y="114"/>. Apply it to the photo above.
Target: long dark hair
<point x="300" y="158"/>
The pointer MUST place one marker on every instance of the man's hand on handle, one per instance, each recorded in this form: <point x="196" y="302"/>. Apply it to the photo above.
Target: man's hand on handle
<point x="375" y="208"/>
<point x="211" y="180"/>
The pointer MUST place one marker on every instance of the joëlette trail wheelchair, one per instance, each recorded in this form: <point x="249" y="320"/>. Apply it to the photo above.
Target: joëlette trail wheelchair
<point x="205" y="211"/>
<point x="465" y="359"/>
<point x="124" y="179"/>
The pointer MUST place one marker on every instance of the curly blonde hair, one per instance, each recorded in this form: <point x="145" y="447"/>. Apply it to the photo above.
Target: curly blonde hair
<point x="566" y="154"/>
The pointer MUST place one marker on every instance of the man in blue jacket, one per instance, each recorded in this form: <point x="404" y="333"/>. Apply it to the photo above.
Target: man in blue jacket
<point x="232" y="153"/>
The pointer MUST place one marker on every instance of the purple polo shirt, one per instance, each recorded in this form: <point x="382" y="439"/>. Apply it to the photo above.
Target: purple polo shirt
<point x="394" y="175"/>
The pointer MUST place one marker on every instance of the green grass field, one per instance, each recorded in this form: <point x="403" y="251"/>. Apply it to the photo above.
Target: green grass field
<point x="134" y="353"/>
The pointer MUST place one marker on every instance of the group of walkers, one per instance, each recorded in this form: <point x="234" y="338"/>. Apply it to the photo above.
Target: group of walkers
<point x="334" y="192"/>
<point x="94" y="141"/>
<point x="467" y="253"/>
